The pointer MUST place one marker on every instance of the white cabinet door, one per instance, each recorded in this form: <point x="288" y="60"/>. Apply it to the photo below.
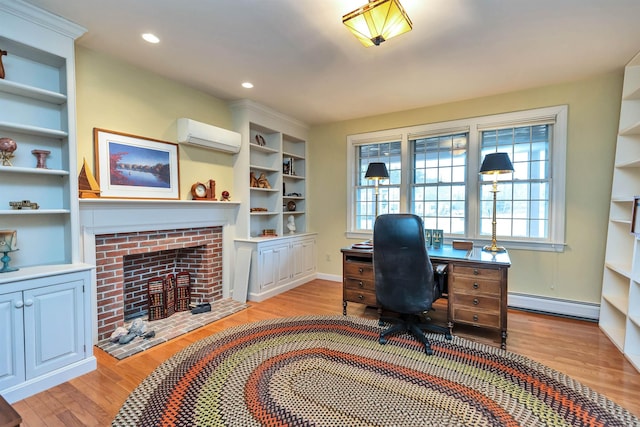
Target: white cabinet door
<point x="53" y="322"/>
<point x="11" y="340"/>
<point x="297" y="255"/>
<point x="284" y="261"/>
<point x="309" y="250"/>
<point x="304" y="257"/>
<point x="274" y="265"/>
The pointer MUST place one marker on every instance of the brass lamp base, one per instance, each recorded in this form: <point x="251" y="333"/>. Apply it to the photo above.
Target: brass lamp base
<point x="493" y="248"/>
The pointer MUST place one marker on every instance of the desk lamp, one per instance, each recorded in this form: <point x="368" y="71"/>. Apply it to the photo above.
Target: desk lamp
<point x="377" y="172"/>
<point x="495" y="164"/>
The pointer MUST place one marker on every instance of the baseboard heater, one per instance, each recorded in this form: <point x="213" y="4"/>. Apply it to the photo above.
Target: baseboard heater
<point x="554" y="306"/>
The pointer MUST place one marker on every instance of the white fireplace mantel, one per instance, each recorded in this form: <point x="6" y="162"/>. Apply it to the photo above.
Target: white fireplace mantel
<point x="101" y="216"/>
<point x="106" y="216"/>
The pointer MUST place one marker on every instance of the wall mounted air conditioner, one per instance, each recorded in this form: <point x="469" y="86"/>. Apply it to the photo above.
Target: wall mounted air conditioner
<point x="208" y="136"/>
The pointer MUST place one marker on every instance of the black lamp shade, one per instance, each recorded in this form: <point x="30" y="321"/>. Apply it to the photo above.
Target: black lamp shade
<point x="496" y="163"/>
<point x="377" y="171"/>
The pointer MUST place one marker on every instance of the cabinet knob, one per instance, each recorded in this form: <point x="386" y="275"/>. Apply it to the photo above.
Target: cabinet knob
<point x="361" y="284"/>
<point x="360" y="297"/>
<point x="19" y="304"/>
<point x="475" y="271"/>
<point x="475" y="301"/>
<point x="475" y="317"/>
<point x="28" y="303"/>
<point x="360" y="270"/>
<point x="475" y="285"/>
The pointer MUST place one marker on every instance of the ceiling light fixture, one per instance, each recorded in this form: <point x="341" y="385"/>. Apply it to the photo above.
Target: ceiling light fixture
<point x="377" y="21"/>
<point x="151" y="38"/>
<point x="247" y="85"/>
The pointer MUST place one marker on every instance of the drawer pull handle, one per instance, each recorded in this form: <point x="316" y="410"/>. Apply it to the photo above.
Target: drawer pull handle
<point x="360" y="270"/>
<point x="361" y="284"/>
<point x="475" y="317"/>
<point x="475" y="271"/>
<point x="475" y="285"/>
<point x="475" y="301"/>
<point x="360" y="297"/>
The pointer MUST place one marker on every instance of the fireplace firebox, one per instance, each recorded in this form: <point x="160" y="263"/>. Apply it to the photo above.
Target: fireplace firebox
<point x="125" y="262"/>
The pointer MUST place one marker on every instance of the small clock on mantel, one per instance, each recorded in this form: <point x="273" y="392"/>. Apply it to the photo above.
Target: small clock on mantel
<point x="200" y="191"/>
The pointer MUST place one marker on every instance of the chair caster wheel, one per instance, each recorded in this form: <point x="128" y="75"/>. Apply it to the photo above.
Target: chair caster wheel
<point x="380" y="323"/>
<point x="382" y="340"/>
<point x="428" y="351"/>
<point x="448" y="337"/>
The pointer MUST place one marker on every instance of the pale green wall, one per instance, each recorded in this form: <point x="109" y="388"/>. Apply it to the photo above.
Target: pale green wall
<point x="116" y="96"/>
<point x="575" y="274"/>
<point x="119" y="97"/>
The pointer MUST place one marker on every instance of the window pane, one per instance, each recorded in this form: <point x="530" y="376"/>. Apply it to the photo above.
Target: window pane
<point x="388" y="153"/>
<point x="438" y="194"/>
<point x="523" y="197"/>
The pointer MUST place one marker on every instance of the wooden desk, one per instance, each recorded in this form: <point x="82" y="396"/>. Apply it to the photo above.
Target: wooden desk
<point x="477" y="283"/>
<point x="8" y="416"/>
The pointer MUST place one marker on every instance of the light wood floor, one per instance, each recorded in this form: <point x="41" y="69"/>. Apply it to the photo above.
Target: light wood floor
<point x="577" y="348"/>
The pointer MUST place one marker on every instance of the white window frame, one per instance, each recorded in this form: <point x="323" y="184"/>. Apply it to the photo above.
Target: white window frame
<point x="557" y="114"/>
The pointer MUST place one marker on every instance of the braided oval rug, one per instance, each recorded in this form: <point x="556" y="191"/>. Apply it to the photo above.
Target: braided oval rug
<point x="331" y="371"/>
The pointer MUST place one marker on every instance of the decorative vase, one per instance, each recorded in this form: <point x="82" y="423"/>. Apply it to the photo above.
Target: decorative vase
<point x="7" y="147"/>
<point x="41" y="158"/>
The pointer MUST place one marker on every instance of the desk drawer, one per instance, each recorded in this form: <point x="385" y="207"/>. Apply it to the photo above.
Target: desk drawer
<point x="471" y="285"/>
<point x="360" y="296"/>
<point x="358" y="270"/>
<point x="359" y="284"/>
<point x="484" y="273"/>
<point x="476" y="302"/>
<point x="476" y="318"/>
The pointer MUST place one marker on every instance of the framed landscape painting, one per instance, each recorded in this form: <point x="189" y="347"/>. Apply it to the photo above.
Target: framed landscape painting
<point x="135" y="167"/>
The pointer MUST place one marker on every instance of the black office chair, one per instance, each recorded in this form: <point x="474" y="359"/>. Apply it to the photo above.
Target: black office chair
<point x="404" y="277"/>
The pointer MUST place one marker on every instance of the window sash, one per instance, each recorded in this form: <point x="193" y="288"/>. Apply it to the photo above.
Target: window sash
<point x="388" y="152"/>
<point x="438" y="181"/>
<point x="524" y="200"/>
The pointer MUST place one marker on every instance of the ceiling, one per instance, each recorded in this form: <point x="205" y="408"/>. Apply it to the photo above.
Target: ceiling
<point x="305" y="63"/>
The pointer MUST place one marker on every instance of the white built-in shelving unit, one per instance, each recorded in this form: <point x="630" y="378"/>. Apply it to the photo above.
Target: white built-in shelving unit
<point x="45" y="322"/>
<point x="620" y="303"/>
<point x="273" y="145"/>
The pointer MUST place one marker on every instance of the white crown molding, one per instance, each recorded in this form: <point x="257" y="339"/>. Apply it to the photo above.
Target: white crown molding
<point x="43" y="18"/>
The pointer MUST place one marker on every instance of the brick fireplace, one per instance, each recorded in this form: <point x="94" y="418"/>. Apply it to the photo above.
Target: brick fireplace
<point x="130" y="241"/>
<point x="126" y="261"/>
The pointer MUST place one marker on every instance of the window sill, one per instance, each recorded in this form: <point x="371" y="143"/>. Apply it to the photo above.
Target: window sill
<point x="509" y="244"/>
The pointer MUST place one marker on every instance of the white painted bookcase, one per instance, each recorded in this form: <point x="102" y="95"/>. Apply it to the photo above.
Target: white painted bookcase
<point x="45" y="321"/>
<point x="620" y="303"/>
<point x="269" y="140"/>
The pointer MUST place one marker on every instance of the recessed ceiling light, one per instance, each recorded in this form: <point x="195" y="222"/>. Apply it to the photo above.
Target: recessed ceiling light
<point x="247" y="85"/>
<point x="151" y="38"/>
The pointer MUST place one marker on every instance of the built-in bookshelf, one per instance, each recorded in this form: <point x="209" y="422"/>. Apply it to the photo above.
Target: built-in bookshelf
<point x="620" y="302"/>
<point x="45" y="300"/>
<point x="270" y="179"/>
